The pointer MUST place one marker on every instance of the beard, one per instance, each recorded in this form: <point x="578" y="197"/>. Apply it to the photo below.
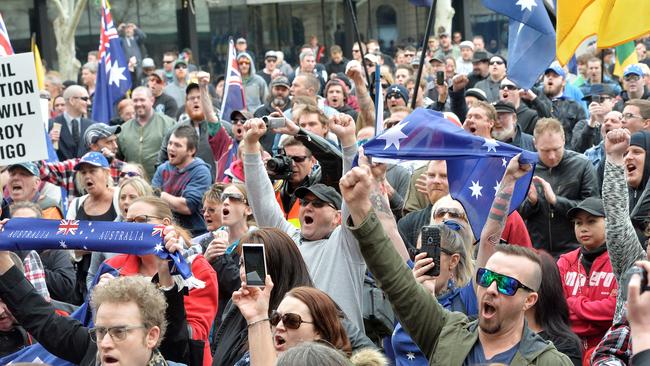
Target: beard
<point x="504" y="134"/>
<point x="195" y="115"/>
<point x="280" y="102"/>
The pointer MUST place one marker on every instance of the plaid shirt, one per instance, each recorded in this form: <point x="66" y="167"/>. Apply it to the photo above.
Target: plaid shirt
<point x="62" y="173"/>
<point x="615" y="348"/>
<point x="35" y="273"/>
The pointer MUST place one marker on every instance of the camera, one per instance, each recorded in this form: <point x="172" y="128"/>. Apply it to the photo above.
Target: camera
<point x="279" y="167"/>
<point x="626" y="279"/>
<point x="274" y="122"/>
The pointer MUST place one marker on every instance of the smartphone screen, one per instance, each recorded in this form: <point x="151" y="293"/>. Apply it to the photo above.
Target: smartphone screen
<point x="440" y="77"/>
<point x="254" y="264"/>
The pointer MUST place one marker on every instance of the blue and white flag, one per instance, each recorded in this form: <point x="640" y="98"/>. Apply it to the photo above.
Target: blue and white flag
<point x="233" y="92"/>
<point x="95" y="236"/>
<point x="113" y="76"/>
<point x="531" y="39"/>
<point x="379" y="102"/>
<point x="475" y="165"/>
<point x="426" y="3"/>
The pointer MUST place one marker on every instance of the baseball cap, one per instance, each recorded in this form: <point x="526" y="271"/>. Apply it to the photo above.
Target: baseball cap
<point x="93" y="158"/>
<point x="507" y="81"/>
<point x="159" y="74"/>
<point x="481" y="56"/>
<point x="180" y="61"/>
<point x="29" y="166"/>
<point x="476" y="93"/>
<point x="504" y="107"/>
<point x="148" y="62"/>
<point x="466" y="44"/>
<point x="633" y="70"/>
<point x="244" y="113"/>
<point x="241" y="40"/>
<point x="442" y="32"/>
<point x="436" y="58"/>
<point x="398" y="89"/>
<point x="591" y="205"/>
<point x="556" y="68"/>
<point x="280" y="81"/>
<point x="372" y="58"/>
<point x="270" y="54"/>
<point x="98" y="131"/>
<point x="323" y="192"/>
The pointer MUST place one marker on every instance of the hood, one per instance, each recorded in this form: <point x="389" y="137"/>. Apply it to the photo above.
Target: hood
<point x="642" y="140"/>
<point x="194" y="164"/>
<point x="250" y="59"/>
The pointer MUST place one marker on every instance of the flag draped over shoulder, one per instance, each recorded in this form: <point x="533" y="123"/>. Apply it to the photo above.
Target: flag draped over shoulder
<point x="531" y="39"/>
<point x="5" y="43"/>
<point x="94" y="236"/>
<point x="475" y="165"/>
<point x="233" y="93"/>
<point x="113" y="76"/>
<point x="625" y="56"/>
<point x="614" y="21"/>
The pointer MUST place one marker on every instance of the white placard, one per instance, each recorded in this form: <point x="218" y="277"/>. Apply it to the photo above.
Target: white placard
<point x="21" y="126"/>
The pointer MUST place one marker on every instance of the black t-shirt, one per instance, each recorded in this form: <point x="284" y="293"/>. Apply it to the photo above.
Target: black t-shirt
<point x="167" y="105"/>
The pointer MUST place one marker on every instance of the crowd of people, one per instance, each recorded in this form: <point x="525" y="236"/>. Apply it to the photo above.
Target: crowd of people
<point x="559" y="281"/>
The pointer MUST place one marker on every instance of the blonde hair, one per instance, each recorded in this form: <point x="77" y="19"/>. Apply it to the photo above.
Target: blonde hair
<point x="550" y="125"/>
<point x="162" y="210"/>
<point x="140" y="185"/>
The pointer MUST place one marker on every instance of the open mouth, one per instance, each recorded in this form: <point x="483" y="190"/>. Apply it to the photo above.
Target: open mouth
<point x="278" y="341"/>
<point x="488" y="310"/>
<point x="472" y="129"/>
<point x="171" y="156"/>
<point x="89" y="184"/>
<point x="239" y="131"/>
<point x="308" y="220"/>
<point x="109" y="360"/>
<point x="630" y="168"/>
<point x="16" y="187"/>
<point x="225" y="211"/>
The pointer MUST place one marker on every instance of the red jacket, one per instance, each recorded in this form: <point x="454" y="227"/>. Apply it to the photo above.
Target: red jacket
<point x="515" y="231"/>
<point x="201" y="303"/>
<point x="592" y="302"/>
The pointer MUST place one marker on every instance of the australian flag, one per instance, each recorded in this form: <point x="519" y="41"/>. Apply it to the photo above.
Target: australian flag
<point x="113" y="76"/>
<point x="233" y="93"/>
<point x="531" y="39"/>
<point x="475" y="165"/>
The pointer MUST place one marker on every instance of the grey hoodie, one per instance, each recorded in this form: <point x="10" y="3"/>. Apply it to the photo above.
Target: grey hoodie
<point x="255" y="89"/>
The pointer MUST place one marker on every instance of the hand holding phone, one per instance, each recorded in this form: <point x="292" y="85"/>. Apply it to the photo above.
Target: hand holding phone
<point x="254" y="264"/>
<point x="431" y="245"/>
<point x="440" y="77"/>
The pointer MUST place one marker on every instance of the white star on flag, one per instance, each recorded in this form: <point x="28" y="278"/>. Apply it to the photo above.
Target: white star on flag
<point x="476" y="189"/>
<point x="491" y="145"/>
<point x="496" y="188"/>
<point x="90" y="224"/>
<point x="158" y="248"/>
<point x="410" y="356"/>
<point x="116" y="73"/>
<point x="393" y="135"/>
<point x="526" y="4"/>
<point x="62" y="244"/>
<point x="504" y="162"/>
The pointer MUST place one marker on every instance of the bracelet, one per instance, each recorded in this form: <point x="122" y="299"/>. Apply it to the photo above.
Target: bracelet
<point x="257" y="322"/>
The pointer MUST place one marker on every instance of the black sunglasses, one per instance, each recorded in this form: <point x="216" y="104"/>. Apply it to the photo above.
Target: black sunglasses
<point x="508" y="87"/>
<point x="290" y="320"/>
<point x="496" y="62"/>
<point x="505" y="284"/>
<point x="316" y="203"/>
<point x="85" y="99"/>
<point x="298" y="158"/>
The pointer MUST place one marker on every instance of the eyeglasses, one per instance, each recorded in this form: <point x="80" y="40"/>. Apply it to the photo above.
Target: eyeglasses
<point x="290" y="320"/>
<point x="628" y="115"/>
<point x="180" y="66"/>
<point x="453" y="213"/>
<point x="496" y="62"/>
<point x="298" y="158"/>
<point x="117" y="334"/>
<point x="505" y="284"/>
<point x="85" y="99"/>
<point x="316" y="203"/>
<point x="233" y="197"/>
<point x="632" y="78"/>
<point x="508" y="87"/>
<point x="142" y="219"/>
<point x="129" y="174"/>
<point x="210" y="211"/>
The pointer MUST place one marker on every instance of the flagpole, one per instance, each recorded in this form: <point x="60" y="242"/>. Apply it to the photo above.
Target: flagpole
<point x="356" y="32"/>
<point x="424" y="53"/>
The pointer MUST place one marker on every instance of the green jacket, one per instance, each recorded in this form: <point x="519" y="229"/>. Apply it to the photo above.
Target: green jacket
<point x="445" y="337"/>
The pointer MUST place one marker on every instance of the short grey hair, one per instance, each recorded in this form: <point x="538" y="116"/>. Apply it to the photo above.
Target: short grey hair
<point x="90" y="66"/>
<point x="305" y="53"/>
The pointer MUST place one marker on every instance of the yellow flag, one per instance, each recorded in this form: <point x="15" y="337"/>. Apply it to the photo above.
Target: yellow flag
<point x="40" y="73"/>
<point x="577" y="20"/>
<point x="624" y="21"/>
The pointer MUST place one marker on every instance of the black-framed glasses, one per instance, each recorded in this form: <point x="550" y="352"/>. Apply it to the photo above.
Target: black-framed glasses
<point x="85" y="99"/>
<point x="508" y="87"/>
<point x="505" y="284"/>
<point x="496" y="62"/>
<point x="316" y="203"/>
<point x="142" y="219"/>
<point x="298" y="158"/>
<point x="117" y="333"/>
<point x="129" y="174"/>
<point x="233" y="197"/>
<point x="290" y="320"/>
<point x="453" y="213"/>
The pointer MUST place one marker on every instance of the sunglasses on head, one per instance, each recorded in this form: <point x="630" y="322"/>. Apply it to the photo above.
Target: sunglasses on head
<point x="316" y="203"/>
<point x="290" y="320"/>
<point x="233" y="197"/>
<point x="129" y="174"/>
<point x="505" y="284"/>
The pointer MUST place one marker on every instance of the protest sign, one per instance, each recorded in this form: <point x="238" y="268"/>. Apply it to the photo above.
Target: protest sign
<point x="21" y="120"/>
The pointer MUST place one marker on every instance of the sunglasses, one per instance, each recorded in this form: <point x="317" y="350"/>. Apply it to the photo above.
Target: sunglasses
<point x="244" y="63"/>
<point x="505" y="284"/>
<point x="129" y="174"/>
<point x="632" y="78"/>
<point x="238" y="121"/>
<point x="167" y="62"/>
<point x="508" y="87"/>
<point x="181" y="66"/>
<point x="298" y="158"/>
<point x="155" y="80"/>
<point x="233" y="197"/>
<point x="453" y="213"/>
<point x="142" y="219"/>
<point x="316" y="203"/>
<point x="393" y="96"/>
<point x="85" y="99"/>
<point x="290" y="320"/>
<point x="600" y="98"/>
<point x="496" y="62"/>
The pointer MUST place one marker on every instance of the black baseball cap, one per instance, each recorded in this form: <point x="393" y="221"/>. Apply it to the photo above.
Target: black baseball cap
<point x="591" y="205"/>
<point x="504" y="107"/>
<point x="481" y="56"/>
<point x="323" y="192"/>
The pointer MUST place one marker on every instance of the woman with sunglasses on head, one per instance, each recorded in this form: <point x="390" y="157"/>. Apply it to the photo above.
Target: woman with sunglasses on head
<point x="132" y="170"/>
<point x="200" y="303"/>
<point x="305" y="314"/>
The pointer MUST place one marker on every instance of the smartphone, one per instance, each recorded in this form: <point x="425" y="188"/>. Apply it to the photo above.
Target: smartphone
<point x="431" y="245"/>
<point x="254" y="264"/>
<point x="440" y="77"/>
<point x="274" y="122"/>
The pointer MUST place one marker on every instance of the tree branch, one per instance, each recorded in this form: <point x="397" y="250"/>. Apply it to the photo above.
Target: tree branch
<point x="76" y="16"/>
<point x="59" y="7"/>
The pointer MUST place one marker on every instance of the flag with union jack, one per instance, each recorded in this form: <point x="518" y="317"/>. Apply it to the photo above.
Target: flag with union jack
<point x="113" y="76"/>
<point x="233" y="93"/>
<point x="158" y="230"/>
<point x="68" y="227"/>
<point x="5" y="44"/>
